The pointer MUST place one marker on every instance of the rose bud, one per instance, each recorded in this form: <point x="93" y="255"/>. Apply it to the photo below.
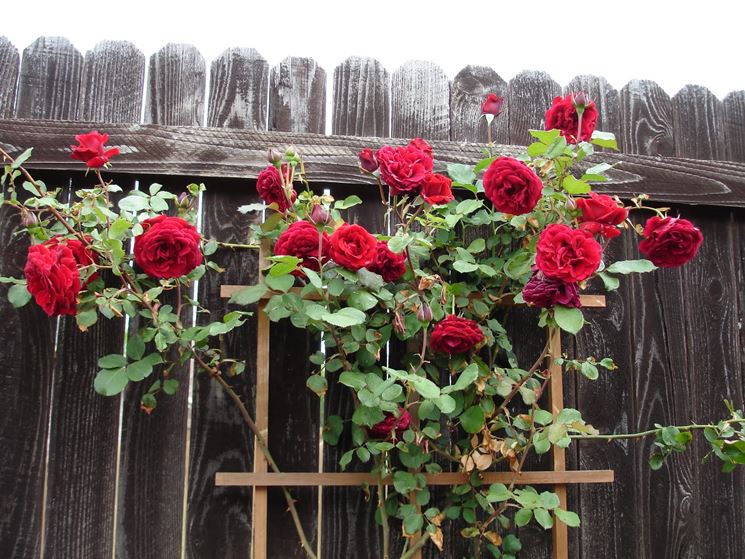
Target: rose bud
<point x="426" y="282"/>
<point x="492" y="105"/>
<point x="28" y="219"/>
<point x="398" y="323"/>
<point x="273" y="156"/>
<point x="320" y="215"/>
<point x="368" y="163"/>
<point x="183" y="200"/>
<point x="290" y="152"/>
<point x="581" y="100"/>
<point x="424" y="314"/>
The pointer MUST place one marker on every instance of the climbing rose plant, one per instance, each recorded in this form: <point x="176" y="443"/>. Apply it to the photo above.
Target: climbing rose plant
<point x="525" y="229"/>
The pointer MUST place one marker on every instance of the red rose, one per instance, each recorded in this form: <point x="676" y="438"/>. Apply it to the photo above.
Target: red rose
<point x="367" y="160"/>
<point x="492" y="105"/>
<point x="454" y="334"/>
<point x="436" y="189"/>
<point x="353" y="247"/>
<point x="91" y="149"/>
<point x="670" y="241"/>
<point x="544" y="292"/>
<point x="404" y="169"/>
<point x="302" y="239"/>
<point x="563" y="116"/>
<point x="512" y="186"/>
<point x="168" y="247"/>
<point x="391" y="425"/>
<point x="600" y="214"/>
<point x="83" y="255"/>
<point x="421" y="145"/>
<point x="269" y="187"/>
<point x="388" y="264"/>
<point x="567" y="254"/>
<point x="52" y="277"/>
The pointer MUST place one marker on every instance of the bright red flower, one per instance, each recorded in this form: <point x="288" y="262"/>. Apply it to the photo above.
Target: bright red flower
<point x="404" y="169"/>
<point x="353" y="247"/>
<point x="454" y="335"/>
<point x="567" y="254"/>
<point x="670" y="241"/>
<point x="492" y="104"/>
<point x="600" y="214"/>
<point x="168" y="247"/>
<point x="512" y="186"/>
<point x="83" y="255"/>
<point x="269" y="187"/>
<point x="303" y="240"/>
<point x="91" y="149"/>
<point x="563" y="116"/>
<point x="52" y="277"/>
<point x="436" y="189"/>
<point x="367" y="160"/>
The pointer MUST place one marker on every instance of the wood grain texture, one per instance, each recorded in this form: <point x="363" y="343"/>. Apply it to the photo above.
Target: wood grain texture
<point x="529" y="96"/>
<point x="420" y="107"/>
<point x="734" y="125"/>
<point x="49" y="81"/>
<point x="219" y="519"/>
<point x="297" y="96"/>
<point x="176" y="86"/>
<point x="646" y="119"/>
<point x="467" y="93"/>
<point x="698" y="124"/>
<point x="361" y="98"/>
<point x="9" y="65"/>
<point x="605" y="98"/>
<point x="239" y="82"/>
<point x="111" y="89"/>
<point x="27" y="354"/>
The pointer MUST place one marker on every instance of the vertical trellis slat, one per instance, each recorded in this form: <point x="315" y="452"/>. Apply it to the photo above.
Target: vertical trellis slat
<point x="467" y="93"/>
<point x="698" y="119"/>
<point x="238" y="90"/>
<point x="361" y="98"/>
<point x="646" y="119"/>
<point x="420" y="94"/>
<point x="9" y="64"/>
<point x="529" y="94"/>
<point x="297" y="97"/>
<point x="176" y="86"/>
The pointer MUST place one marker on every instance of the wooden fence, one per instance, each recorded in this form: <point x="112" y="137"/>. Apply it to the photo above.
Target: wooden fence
<point x="86" y="476"/>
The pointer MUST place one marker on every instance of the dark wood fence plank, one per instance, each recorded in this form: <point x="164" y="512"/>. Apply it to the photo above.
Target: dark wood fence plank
<point x="238" y="90"/>
<point x="175" y="88"/>
<point x="605" y="98"/>
<point x="646" y="119"/>
<point x="420" y="93"/>
<point x="113" y="76"/>
<point x="297" y="99"/>
<point x="698" y="122"/>
<point x="9" y="62"/>
<point x="467" y="93"/>
<point x="50" y="80"/>
<point x="361" y="98"/>
<point x="529" y="96"/>
<point x="734" y="125"/>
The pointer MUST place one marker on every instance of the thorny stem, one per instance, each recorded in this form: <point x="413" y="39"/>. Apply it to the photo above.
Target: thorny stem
<point x="236" y="245"/>
<point x="383" y="513"/>
<point x="105" y="187"/>
<point x="417" y="546"/>
<point x="691" y="427"/>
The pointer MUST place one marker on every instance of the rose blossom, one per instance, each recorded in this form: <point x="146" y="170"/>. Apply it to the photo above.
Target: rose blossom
<point x="670" y="241"/>
<point x="436" y="189"/>
<point x="367" y="160"/>
<point x="563" y="116"/>
<point x="353" y="247"/>
<point x="512" y="186"/>
<point x="83" y="255"/>
<point x="91" y="149"/>
<point x="422" y="145"/>
<point x="454" y="335"/>
<point x="600" y="214"/>
<point x="567" y="254"/>
<point x="492" y="104"/>
<point x="391" y="425"/>
<point x="388" y="264"/>
<point x="269" y="187"/>
<point x="168" y="247"/>
<point x="404" y="169"/>
<point x="52" y="277"/>
<point x="303" y="240"/>
<point x="544" y="292"/>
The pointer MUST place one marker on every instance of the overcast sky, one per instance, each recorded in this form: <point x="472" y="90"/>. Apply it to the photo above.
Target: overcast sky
<point x="673" y="43"/>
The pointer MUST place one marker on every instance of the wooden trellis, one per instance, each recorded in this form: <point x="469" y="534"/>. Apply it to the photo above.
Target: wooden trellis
<point x="260" y="479"/>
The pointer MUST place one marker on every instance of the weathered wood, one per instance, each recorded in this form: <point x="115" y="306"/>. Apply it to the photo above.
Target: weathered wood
<point x="176" y="86"/>
<point x="529" y="96"/>
<point x="467" y="93"/>
<point x="605" y="98"/>
<point x="9" y="62"/>
<point x="698" y="122"/>
<point x="646" y="119"/>
<point x="239" y="83"/>
<point x="297" y="98"/>
<point x="113" y="76"/>
<point x="734" y="125"/>
<point x="196" y="151"/>
<point x="49" y="82"/>
<point x="361" y="98"/>
<point x="420" y="94"/>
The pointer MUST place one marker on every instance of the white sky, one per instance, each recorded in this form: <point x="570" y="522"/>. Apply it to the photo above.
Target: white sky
<point x="673" y="43"/>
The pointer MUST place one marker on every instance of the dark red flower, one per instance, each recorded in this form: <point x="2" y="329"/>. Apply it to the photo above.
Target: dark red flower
<point x="436" y="189"/>
<point x="422" y="145"/>
<point x="391" y="425"/>
<point x="404" y="169"/>
<point x="492" y="105"/>
<point x="512" y="186"/>
<point x="367" y="160"/>
<point x="670" y="241"/>
<point x="91" y="149"/>
<point x="83" y="255"/>
<point x="563" y="116"/>
<point x="353" y="247"/>
<point x="388" y="264"/>
<point x="544" y="292"/>
<point x="52" y="277"/>
<point x="303" y="240"/>
<point x="600" y="214"/>
<point x="269" y="187"/>
<point x="567" y="254"/>
<point x="168" y="247"/>
<point x="454" y="335"/>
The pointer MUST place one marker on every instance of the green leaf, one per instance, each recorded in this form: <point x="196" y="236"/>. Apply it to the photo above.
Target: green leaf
<point x="556" y="148"/>
<point x="545" y="136"/>
<point x="110" y="382"/>
<point x="283" y="265"/>
<point x="353" y="380"/>
<point x="317" y="384"/>
<point x="465" y="267"/>
<point x="370" y="279"/>
<point x="210" y="247"/>
<point x="138" y="370"/>
<point x="569" y="319"/>
<point x="544" y="518"/>
<point x="542" y="417"/>
<point x="134" y="203"/>
<point x="498" y="492"/>
<point x="484" y="163"/>
<point x="461" y="173"/>
<point x="413" y="523"/>
<point x="472" y="420"/>
<point x="249" y="295"/>
<point x="112" y="361"/>
<point x="631" y="267"/>
<point x="252" y="208"/>
<point x="348" y="202"/>
<point x="86" y="318"/>
<point x="609" y="282"/>
<point x="367" y="416"/>
<point x="170" y="386"/>
<point x="536" y="149"/>
<point x="280" y="283"/>
<point x="567" y="517"/>
<point x="465" y="379"/>
<point x="18" y="295"/>
<point x="511" y="544"/>
<point x="313" y="277"/>
<point x="119" y="227"/>
<point x="604" y="139"/>
<point x="333" y="429"/>
<point x="398" y="243"/>
<point x="445" y="403"/>
<point x="404" y="482"/>
<point x="135" y="347"/>
<point x="21" y="159"/>
<point x="523" y="516"/>
<point x="575" y="186"/>
<point x="345" y="317"/>
<point x="362" y="300"/>
<point x="549" y="500"/>
<point x="468" y="206"/>
<point x="476" y="246"/>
